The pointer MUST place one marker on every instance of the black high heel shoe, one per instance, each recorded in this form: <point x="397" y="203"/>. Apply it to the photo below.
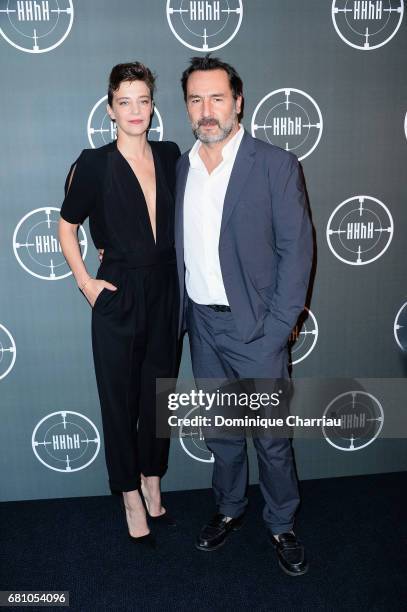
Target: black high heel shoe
<point x="147" y="541"/>
<point x="162" y="519"/>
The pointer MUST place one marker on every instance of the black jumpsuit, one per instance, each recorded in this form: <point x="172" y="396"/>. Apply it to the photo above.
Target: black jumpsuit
<point x="134" y="329"/>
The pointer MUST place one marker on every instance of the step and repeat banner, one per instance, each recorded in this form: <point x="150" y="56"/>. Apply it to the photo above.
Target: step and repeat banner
<point x="323" y="79"/>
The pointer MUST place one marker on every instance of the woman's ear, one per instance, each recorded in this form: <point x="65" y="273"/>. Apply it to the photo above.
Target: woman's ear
<point x="110" y="112"/>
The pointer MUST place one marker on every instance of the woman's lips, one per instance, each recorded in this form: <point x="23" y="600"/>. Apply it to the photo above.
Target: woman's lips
<point x="136" y="121"/>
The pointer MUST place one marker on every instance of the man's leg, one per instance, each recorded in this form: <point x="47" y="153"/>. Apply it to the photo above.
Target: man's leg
<point x="230" y="469"/>
<point x="278" y="481"/>
<point x="277" y="477"/>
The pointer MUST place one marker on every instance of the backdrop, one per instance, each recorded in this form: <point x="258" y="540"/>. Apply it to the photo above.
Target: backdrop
<point x="325" y="80"/>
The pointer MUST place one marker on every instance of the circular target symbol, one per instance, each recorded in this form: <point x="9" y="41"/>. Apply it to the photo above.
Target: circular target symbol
<point x="35" y="26"/>
<point x="65" y="441"/>
<point x="192" y="441"/>
<point x="304" y="337"/>
<point x="400" y="327"/>
<point x="361" y="416"/>
<point x="204" y="26"/>
<point x="8" y="352"/>
<point x="36" y="244"/>
<point x="360" y="230"/>
<point x="367" y="24"/>
<point x="290" y="119"/>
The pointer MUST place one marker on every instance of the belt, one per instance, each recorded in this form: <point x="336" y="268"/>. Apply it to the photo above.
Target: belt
<point x="139" y="259"/>
<point x="219" y="307"/>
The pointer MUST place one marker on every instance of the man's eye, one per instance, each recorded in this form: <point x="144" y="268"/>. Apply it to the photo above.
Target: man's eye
<point x="123" y="102"/>
<point x="145" y="102"/>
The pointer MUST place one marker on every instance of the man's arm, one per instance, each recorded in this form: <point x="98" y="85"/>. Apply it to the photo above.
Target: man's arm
<point x="294" y="249"/>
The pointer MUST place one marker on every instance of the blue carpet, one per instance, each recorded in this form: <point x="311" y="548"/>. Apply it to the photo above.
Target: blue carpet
<point x="354" y="529"/>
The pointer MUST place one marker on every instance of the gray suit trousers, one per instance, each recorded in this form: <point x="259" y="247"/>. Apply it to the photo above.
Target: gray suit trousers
<point x="218" y="352"/>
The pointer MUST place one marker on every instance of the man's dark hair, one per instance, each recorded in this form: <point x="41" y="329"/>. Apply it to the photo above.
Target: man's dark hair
<point x="134" y="71"/>
<point x="207" y="62"/>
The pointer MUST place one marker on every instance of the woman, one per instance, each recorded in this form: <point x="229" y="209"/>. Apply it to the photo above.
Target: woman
<point x="126" y="189"/>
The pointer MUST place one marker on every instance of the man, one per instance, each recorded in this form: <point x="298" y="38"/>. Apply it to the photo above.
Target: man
<point x="244" y="243"/>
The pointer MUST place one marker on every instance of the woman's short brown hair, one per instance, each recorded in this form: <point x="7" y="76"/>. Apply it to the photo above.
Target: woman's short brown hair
<point x="133" y="71"/>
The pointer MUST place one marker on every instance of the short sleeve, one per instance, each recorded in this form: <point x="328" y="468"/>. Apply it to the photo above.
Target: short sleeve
<point x="175" y="151"/>
<point x="80" y="190"/>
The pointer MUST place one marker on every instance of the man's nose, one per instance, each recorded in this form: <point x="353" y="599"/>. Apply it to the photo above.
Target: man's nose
<point x="206" y="107"/>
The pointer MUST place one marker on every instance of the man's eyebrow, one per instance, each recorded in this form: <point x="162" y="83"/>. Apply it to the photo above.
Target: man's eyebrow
<point x="212" y="95"/>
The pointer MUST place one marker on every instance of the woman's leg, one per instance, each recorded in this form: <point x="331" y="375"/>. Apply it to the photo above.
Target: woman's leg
<point x="118" y="349"/>
<point x="160" y="361"/>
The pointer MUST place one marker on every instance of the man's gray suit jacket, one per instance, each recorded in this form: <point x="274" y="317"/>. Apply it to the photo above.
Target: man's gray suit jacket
<point x="265" y="243"/>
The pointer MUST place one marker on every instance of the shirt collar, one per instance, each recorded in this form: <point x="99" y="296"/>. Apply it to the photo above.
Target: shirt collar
<point x="229" y="150"/>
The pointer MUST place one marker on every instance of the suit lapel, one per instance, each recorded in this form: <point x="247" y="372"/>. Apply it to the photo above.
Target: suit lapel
<point x="238" y="177"/>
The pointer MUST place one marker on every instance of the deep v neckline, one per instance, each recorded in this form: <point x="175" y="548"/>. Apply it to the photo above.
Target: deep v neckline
<point x="147" y="213"/>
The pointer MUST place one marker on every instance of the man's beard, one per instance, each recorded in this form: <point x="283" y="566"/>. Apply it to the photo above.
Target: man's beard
<point x="225" y="129"/>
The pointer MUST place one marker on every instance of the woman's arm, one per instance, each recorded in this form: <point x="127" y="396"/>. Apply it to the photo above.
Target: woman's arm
<point x="68" y="238"/>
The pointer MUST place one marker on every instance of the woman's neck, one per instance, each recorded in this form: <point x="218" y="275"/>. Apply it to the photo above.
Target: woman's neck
<point x="135" y="147"/>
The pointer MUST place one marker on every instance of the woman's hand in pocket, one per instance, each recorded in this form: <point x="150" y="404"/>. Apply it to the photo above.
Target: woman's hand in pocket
<point x="93" y="287"/>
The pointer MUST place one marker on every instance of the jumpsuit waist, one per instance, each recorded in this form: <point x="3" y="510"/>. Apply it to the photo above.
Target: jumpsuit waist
<point x="139" y="259"/>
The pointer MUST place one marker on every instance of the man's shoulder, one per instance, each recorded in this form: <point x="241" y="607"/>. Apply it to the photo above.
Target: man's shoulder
<point x="273" y="152"/>
<point x="183" y="160"/>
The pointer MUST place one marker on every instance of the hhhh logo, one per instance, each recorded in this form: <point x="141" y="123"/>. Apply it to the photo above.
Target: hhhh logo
<point x="204" y="11"/>
<point x="47" y="244"/>
<point x="359" y="230"/>
<point x="289" y="118"/>
<point x="36" y="245"/>
<point x="361" y="420"/>
<point x="283" y="126"/>
<point x="33" y="11"/>
<point x="65" y="441"/>
<point x="204" y="25"/>
<point x="36" y="26"/>
<point x="367" y="24"/>
<point x="367" y="10"/>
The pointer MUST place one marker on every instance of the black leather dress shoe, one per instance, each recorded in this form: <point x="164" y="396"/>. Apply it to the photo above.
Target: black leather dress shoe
<point x="290" y="552"/>
<point x="214" y="533"/>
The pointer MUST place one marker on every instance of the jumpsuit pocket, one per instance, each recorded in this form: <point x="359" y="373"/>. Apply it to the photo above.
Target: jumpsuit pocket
<point x="105" y="298"/>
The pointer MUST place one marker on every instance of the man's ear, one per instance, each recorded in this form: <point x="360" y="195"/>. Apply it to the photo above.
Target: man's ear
<point x="239" y="101"/>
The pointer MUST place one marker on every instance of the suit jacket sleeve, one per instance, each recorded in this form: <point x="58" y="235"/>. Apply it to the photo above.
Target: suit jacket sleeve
<point x="294" y="247"/>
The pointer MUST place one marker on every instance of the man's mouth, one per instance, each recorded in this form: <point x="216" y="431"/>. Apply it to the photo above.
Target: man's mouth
<point x="208" y="123"/>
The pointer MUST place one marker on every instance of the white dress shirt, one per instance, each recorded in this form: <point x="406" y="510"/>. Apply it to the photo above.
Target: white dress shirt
<point x="203" y="207"/>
